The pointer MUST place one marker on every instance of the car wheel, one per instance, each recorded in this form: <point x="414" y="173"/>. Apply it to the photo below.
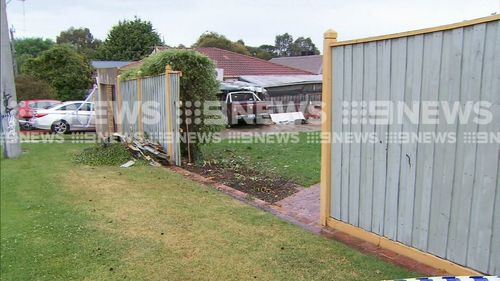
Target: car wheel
<point x="60" y="127"/>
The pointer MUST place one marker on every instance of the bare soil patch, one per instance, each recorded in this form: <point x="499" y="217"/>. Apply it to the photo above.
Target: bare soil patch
<point x="265" y="187"/>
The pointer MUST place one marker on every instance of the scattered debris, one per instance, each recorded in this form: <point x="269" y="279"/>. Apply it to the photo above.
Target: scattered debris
<point x="128" y="164"/>
<point x="145" y="149"/>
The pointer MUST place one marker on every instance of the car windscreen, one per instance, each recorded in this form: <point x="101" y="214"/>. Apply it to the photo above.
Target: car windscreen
<point x="242" y="97"/>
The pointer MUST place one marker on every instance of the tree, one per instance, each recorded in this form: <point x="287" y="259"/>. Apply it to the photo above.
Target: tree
<point x="283" y="45"/>
<point x="268" y="49"/>
<point x="213" y="39"/>
<point x="130" y="40"/>
<point x="304" y="47"/>
<point x="29" y="48"/>
<point x="28" y="88"/>
<point x="32" y="46"/>
<point x="260" y="53"/>
<point x="68" y="72"/>
<point x="81" y="39"/>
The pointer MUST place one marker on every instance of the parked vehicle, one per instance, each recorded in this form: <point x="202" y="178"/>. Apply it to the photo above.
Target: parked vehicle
<point x="246" y="106"/>
<point x="26" y="108"/>
<point x="66" y="117"/>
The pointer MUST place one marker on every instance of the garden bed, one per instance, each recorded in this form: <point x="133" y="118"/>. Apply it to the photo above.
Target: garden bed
<point x="265" y="187"/>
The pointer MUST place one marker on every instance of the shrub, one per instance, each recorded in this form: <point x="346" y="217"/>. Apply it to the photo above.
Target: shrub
<point x="28" y="88"/>
<point x="104" y="154"/>
<point x="198" y="83"/>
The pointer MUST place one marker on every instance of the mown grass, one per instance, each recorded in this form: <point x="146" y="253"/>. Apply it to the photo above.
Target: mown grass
<point x="64" y="221"/>
<point x="298" y="159"/>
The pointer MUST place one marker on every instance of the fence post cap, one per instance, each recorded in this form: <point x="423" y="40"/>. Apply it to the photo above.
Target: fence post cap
<point x="139" y="73"/>
<point x="168" y="67"/>
<point x="330" y="34"/>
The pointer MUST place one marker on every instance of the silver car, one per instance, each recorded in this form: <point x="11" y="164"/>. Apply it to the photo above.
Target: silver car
<point x="65" y="117"/>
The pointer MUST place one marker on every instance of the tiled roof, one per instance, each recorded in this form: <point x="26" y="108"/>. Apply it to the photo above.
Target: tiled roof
<point x="312" y="64"/>
<point x="236" y="65"/>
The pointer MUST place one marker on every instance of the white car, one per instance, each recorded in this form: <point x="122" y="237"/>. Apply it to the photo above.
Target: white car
<point x="65" y="117"/>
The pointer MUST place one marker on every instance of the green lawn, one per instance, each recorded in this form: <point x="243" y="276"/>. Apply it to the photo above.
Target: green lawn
<point x="297" y="160"/>
<point x="61" y="221"/>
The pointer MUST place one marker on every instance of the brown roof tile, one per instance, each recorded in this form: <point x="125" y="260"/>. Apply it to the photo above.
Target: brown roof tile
<point x="235" y="64"/>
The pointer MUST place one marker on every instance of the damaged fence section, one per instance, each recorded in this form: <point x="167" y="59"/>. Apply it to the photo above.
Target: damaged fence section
<point x="143" y="109"/>
<point x="425" y="183"/>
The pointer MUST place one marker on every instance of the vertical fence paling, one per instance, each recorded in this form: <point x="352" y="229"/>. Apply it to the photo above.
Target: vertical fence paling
<point x="129" y="107"/>
<point x="438" y="200"/>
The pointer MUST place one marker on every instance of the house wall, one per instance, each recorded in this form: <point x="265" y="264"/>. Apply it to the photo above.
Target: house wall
<point x="442" y="199"/>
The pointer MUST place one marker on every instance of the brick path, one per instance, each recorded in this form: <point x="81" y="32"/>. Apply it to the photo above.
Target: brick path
<point x="303" y="204"/>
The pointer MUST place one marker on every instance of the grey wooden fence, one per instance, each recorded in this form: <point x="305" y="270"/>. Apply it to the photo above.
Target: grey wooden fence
<point x="147" y="107"/>
<point x="441" y="198"/>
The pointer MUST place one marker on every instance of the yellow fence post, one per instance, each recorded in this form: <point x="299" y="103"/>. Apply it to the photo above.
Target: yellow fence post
<point x="119" y="115"/>
<point x="168" y="101"/>
<point x="330" y="37"/>
<point x="139" y="100"/>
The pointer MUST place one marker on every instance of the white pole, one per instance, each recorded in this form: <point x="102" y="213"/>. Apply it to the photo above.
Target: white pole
<point x="10" y="126"/>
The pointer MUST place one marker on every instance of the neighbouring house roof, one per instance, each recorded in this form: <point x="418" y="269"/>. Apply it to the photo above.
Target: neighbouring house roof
<point x="267" y="81"/>
<point x="313" y="64"/>
<point x="236" y="65"/>
<point x="108" y="63"/>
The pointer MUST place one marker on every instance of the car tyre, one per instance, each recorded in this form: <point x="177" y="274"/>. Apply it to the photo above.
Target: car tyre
<point x="60" y="127"/>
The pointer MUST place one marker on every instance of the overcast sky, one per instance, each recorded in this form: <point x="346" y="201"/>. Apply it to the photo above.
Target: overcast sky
<point x="255" y="21"/>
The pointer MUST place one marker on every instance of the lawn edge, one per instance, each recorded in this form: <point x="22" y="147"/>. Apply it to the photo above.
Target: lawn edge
<point x="314" y="227"/>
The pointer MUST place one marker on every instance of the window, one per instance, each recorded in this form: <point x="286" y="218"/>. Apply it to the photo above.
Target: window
<point x="243" y="97"/>
<point x="71" y="106"/>
<point x="86" y="107"/>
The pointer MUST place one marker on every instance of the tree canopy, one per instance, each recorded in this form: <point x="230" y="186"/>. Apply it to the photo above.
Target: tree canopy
<point x="304" y="47"/>
<point x="130" y="40"/>
<point x="213" y="39"/>
<point x="285" y="46"/>
<point x="63" y="69"/>
<point x="81" y="39"/>
<point x="29" y="48"/>
<point x="32" y="46"/>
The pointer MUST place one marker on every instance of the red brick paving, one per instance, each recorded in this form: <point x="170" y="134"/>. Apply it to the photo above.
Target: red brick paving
<point x="302" y="209"/>
<point x="303" y="204"/>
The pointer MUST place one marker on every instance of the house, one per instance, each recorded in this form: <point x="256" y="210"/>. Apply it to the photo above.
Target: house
<point x="313" y="64"/>
<point x="234" y="65"/>
<point x="281" y="83"/>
